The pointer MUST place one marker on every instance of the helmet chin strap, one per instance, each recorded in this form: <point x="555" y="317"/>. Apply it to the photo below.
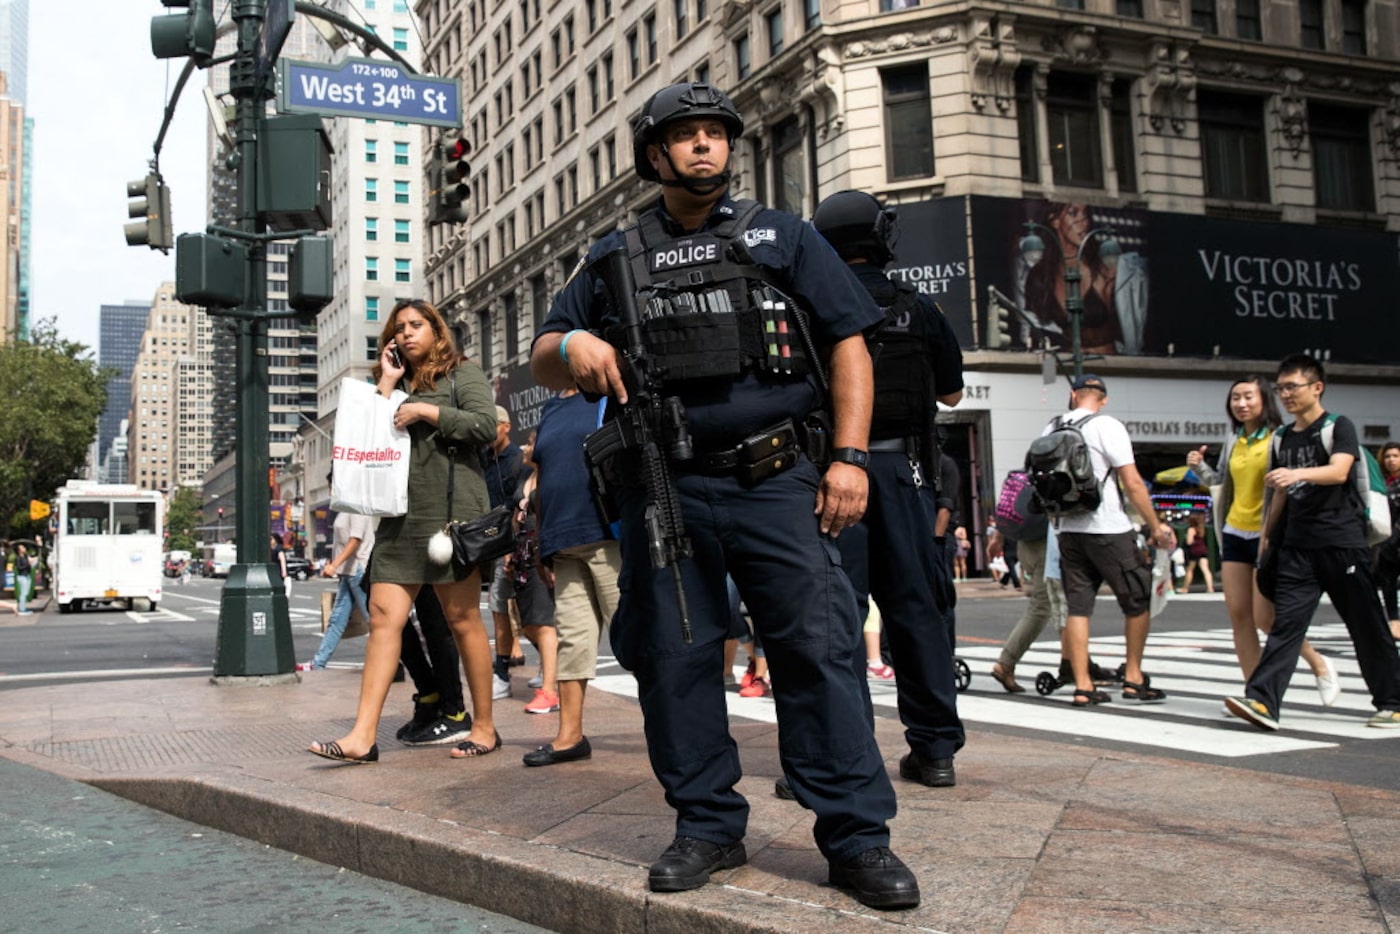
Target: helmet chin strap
<point x="696" y="186"/>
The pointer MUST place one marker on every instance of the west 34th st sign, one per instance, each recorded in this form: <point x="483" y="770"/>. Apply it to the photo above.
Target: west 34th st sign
<point x="361" y="87"/>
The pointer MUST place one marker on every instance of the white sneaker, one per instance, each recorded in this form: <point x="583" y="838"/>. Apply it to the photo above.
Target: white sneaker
<point x="500" y="687"/>
<point x="536" y="682"/>
<point x="1329" y="688"/>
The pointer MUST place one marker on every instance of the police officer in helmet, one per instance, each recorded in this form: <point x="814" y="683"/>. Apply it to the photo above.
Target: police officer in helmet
<point x="747" y="311"/>
<point x="892" y="553"/>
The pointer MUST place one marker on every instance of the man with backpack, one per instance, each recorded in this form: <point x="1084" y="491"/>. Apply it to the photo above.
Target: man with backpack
<point x="1315" y="540"/>
<point x="1077" y="467"/>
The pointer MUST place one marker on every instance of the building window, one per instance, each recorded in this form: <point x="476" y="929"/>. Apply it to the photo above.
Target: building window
<point x="371" y="150"/>
<point x="1354" y="27"/>
<point x="1072" y="112"/>
<point x="401" y="231"/>
<point x="401" y="154"/>
<point x="371" y="228"/>
<point x="512" y="319"/>
<point x="483" y="328"/>
<point x="1341" y="143"/>
<point x="400" y="6"/>
<point x="400" y="191"/>
<point x="1070" y="4"/>
<point x="1247" y="23"/>
<point x="1232" y="146"/>
<point x="595" y="167"/>
<point x="403" y="272"/>
<point x="789" y="172"/>
<point x="742" y="65"/>
<point x="1310" y="31"/>
<point x="634" y="53"/>
<point x="774" y="22"/>
<point x="1131" y="9"/>
<point x="539" y="299"/>
<point x="371" y="189"/>
<point x="608" y="92"/>
<point x="372" y="308"/>
<point x="371" y="347"/>
<point x="1025" y="123"/>
<point x="679" y="9"/>
<point x="908" y="122"/>
<point x="1203" y="16"/>
<point x="702" y="72"/>
<point x="889" y="6"/>
<point x="811" y="14"/>
<point x="372" y="268"/>
<point x="1124" y="139"/>
<point x="400" y="39"/>
<point x="649" y="30"/>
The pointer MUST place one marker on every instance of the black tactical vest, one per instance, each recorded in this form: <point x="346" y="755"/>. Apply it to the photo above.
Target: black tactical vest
<point x="708" y="311"/>
<point x="903" y="376"/>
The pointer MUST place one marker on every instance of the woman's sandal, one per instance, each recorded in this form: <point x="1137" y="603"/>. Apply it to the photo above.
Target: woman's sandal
<point x="332" y="750"/>
<point x="1006" y="679"/>
<point x="1091" y="698"/>
<point x="1142" y="693"/>
<point x="470" y="750"/>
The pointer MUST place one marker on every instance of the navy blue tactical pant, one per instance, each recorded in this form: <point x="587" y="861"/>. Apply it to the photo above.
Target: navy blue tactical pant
<point x="891" y="555"/>
<point x="803" y="610"/>
<point x="1344" y="574"/>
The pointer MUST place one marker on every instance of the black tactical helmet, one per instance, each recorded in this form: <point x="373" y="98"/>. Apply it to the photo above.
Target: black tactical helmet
<point x="857" y="226"/>
<point x="678" y="102"/>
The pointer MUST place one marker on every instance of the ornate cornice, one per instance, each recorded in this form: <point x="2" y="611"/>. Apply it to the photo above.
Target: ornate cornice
<point x="902" y="41"/>
<point x="1078" y="45"/>
<point x="1169" y="85"/>
<point x="992" y="58"/>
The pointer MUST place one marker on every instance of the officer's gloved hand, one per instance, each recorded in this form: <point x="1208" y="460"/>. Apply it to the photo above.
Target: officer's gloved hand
<point x="594" y="365"/>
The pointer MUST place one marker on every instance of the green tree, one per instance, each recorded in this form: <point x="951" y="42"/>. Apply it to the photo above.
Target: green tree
<point x="182" y="520"/>
<point x="54" y="393"/>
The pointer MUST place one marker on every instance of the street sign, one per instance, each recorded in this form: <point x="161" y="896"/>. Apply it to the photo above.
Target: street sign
<point x="362" y="87"/>
<point x="277" y="23"/>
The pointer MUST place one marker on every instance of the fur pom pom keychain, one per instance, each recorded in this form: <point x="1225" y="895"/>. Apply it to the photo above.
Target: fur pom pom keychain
<point x="440" y="548"/>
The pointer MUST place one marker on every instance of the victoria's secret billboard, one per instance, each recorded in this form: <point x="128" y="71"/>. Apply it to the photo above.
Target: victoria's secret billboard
<point x="1193" y="286"/>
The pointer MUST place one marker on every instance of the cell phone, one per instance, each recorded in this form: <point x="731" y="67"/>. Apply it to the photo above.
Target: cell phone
<point x="394" y="356"/>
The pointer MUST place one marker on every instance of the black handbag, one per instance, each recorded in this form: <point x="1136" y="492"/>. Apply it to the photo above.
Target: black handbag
<point x="479" y="540"/>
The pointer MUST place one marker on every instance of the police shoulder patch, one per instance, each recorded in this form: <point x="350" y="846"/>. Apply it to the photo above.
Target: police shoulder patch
<point x="756" y="235"/>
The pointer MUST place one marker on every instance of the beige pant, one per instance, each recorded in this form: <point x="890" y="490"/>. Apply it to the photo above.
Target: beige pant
<point x="585" y="598"/>
<point x="1045" y="603"/>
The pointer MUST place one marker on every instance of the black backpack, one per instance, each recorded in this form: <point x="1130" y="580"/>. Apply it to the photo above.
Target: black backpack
<point x="1061" y="472"/>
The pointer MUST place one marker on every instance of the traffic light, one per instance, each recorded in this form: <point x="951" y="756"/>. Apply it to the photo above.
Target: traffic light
<point x="151" y="204"/>
<point x="448" y="188"/>
<point x="998" y="320"/>
<point x="193" y="34"/>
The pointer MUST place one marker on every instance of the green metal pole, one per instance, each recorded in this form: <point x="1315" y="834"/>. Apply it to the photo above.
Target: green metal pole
<point x="255" y="632"/>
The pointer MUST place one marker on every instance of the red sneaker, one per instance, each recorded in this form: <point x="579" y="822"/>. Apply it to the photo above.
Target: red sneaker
<point x="543" y="702"/>
<point x="758" y="687"/>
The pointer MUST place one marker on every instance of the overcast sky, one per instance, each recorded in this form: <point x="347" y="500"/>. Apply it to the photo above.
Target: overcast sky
<point x="97" y="97"/>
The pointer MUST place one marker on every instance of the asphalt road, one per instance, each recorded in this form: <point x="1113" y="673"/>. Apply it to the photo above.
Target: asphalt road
<point x="1189" y="653"/>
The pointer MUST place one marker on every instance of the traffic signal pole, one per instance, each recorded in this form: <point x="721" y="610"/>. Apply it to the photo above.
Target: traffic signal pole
<point x="255" y="632"/>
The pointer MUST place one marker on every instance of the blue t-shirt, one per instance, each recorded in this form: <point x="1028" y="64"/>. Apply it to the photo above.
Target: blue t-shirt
<point x="568" y="515"/>
<point x="807" y="269"/>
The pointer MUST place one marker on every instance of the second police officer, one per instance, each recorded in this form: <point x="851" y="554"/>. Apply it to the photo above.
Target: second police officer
<point x="891" y="554"/>
<point x="719" y="279"/>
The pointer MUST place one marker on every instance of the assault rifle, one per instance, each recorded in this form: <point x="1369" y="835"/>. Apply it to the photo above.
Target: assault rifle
<point x="648" y="423"/>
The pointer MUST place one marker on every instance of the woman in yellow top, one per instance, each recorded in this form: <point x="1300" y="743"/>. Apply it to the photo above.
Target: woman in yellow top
<point x="1239" y="511"/>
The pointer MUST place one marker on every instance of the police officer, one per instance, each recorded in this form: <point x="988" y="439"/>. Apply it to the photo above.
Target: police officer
<point x="735" y="294"/>
<point x="892" y="554"/>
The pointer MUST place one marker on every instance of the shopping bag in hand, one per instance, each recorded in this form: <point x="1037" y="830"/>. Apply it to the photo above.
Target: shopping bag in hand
<point x="370" y="455"/>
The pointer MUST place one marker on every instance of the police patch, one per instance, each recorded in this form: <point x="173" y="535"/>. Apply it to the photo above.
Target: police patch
<point x="692" y="251"/>
<point x="756" y="235"/>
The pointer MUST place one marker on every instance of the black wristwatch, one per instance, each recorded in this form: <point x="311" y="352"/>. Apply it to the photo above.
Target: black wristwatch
<point x="853" y="456"/>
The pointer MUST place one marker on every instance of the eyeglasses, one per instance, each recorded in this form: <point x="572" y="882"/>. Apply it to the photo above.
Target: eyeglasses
<point x="1288" y="389"/>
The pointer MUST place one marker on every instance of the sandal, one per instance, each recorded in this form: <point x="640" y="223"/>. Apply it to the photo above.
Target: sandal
<point x="1007" y="679"/>
<point x="332" y="750"/>
<point x="471" y="750"/>
<point x="1142" y="693"/>
<point x="1091" y="698"/>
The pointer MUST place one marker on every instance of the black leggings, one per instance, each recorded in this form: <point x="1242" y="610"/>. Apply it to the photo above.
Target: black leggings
<point x="1387" y="570"/>
<point x="432" y="661"/>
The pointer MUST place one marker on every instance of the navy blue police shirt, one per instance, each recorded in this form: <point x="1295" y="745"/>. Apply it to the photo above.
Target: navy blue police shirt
<point x="723" y="412"/>
<point x="945" y="356"/>
<point x="568" y="515"/>
<point x="503" y="473"/>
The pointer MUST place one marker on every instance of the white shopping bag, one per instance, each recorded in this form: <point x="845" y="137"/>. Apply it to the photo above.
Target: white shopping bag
<point x="370" y="456"/>
<point x="1162" y="588"/>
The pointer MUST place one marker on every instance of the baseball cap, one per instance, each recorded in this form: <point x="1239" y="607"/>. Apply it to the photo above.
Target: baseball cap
<point x="1089" y="381"/>
<point x="502" y="415"/>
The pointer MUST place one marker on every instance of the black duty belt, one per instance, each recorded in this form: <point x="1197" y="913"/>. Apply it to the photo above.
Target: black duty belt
<point x="898" y="445"/>
<point x="756" y="458"/>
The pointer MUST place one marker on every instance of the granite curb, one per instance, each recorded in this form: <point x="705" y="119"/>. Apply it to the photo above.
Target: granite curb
<point x="1037" y="835"/>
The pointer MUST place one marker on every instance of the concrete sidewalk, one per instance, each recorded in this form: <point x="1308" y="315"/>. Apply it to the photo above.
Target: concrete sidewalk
<point x="1037" y="836"/>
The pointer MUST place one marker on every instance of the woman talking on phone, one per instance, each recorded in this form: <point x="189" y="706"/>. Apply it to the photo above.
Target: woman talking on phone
<point x="448" y="415"/>
<point x="1239" y="512"/>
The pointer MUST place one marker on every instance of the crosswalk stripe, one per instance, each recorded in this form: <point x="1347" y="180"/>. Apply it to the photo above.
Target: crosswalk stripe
<point x="1197" y="669"/>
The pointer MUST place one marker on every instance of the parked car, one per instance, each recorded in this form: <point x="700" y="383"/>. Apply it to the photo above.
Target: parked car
<point x="299" y="568"/>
